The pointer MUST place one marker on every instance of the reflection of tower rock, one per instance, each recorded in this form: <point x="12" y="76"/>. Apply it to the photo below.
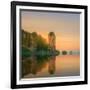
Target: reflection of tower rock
<point x="51" y="67"/>
<point x="52" y="40"/>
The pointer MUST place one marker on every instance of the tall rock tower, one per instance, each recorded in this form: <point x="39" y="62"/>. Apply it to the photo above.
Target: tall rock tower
<point x="52" y="41"/>
<point x="52" y="44"/>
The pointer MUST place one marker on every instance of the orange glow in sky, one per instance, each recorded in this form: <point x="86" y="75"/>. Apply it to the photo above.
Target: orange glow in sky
<point x="66" y="27"/>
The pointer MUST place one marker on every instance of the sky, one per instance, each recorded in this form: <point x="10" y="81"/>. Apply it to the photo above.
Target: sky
<point x="65" y="25"/>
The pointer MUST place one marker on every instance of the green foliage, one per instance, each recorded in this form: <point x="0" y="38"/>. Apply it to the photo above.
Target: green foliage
<point x="57" y="52"/>
<point x="36" y="43"/>
<point x="64" y="52"/>
<point x="41" y="43"/>
<point x="25" y="52"/>
<point x="34" y="34"/>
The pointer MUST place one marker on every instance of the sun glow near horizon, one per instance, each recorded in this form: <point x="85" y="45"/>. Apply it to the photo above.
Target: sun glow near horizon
<point x="66" y="27"/>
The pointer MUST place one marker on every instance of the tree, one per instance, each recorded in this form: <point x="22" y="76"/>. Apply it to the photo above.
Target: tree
<point x="64" y="52"/>
<point x="41" y="43"/>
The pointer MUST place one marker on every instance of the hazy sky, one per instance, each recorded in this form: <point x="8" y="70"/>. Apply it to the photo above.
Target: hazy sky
<point x="66" y="27"/>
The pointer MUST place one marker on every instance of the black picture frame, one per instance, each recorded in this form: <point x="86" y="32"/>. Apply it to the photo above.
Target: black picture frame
<point x="14" y="4"/>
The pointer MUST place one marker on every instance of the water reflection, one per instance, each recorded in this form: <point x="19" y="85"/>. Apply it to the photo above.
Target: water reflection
<point x="34" y="64"/>
<point x="45" y="66"/>
<point x="51" y="66"/>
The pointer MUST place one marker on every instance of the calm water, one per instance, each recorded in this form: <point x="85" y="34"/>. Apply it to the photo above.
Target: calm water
<point x="62" y="65"/>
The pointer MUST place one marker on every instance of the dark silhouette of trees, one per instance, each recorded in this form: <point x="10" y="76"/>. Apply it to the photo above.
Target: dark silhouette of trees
<point x="36" y="44"/>
<point x="64" y="52"/>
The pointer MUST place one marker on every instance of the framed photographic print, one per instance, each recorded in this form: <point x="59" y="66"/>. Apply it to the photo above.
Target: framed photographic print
<point x="49" y="44"/>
